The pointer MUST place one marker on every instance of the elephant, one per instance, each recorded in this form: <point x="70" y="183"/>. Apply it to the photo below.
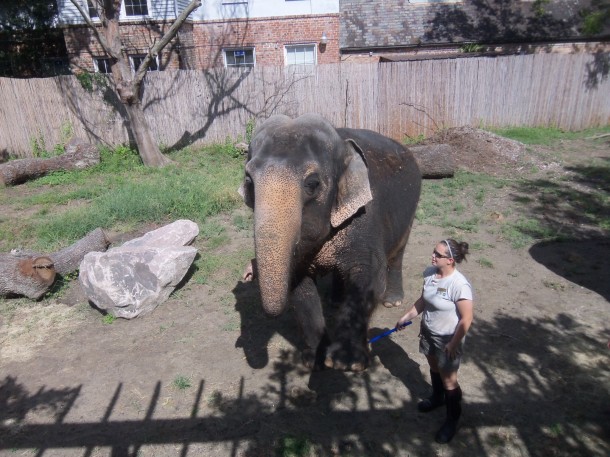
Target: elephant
<point x="329" y="201"/>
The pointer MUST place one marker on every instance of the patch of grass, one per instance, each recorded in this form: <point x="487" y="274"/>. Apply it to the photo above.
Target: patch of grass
<point x="294" y="446"/>
<point x="213" y="232"/>
<point x="556" y="429"/>
<point x="181" y="382"/>
<point x="545" y="135"/>
<point x="524" y="232"/>
<point x="109" y="319"/>
<point x="210" y="265"/>
<point x="121" y="192"/>
<point x="485" y="263"/>
<point x="466" y="225"/>
<point x="457" y="202"/>
<point x="242" y="222"/>
<point x="61" y="284"/>
<point x="214" y="400"/>
<point x="413" y="140"/>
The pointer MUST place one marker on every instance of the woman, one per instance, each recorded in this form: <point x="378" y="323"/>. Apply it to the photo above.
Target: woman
<point x="447" y="304"/>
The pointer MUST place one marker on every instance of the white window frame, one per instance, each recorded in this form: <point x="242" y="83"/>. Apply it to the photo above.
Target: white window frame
<point x="301" y="65"/>
<point x="93" y="18"/>
<point x="134" y="68"/>
<point x="123" y="12"/>
<point x="245" y="65"/>
<point x="96" y="66"/>
<point x="141" y="16"/>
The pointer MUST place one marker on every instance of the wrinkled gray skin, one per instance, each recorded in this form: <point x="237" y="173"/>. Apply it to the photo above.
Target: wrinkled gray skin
<point x="329" y="200"/>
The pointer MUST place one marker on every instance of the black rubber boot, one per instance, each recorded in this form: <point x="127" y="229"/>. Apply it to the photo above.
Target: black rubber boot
<point x="438" y="395"/>
<point x="454" y="411"/>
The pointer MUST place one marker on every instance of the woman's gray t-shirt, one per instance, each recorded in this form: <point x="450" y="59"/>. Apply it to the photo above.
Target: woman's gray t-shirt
<point x="441" y="296"/>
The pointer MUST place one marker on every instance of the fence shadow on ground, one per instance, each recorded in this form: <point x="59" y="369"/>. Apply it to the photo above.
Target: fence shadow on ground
<point x="543" y="393"/>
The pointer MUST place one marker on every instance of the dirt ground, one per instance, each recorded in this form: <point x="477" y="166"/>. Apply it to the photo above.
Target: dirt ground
<point x="207" y="373"/>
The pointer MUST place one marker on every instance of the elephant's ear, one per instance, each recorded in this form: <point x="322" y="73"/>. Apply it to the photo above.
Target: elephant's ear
<point x="353" y="188"/>
<point x="246" y="193"/>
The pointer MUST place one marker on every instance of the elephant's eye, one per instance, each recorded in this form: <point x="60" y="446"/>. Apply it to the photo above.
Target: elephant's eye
<point x="248" y="180"/>
<point x="312" y="183"/>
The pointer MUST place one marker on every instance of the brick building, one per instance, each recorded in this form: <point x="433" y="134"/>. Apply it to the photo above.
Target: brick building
<point x="311" y="32"/>
<point x="218" y="33"/>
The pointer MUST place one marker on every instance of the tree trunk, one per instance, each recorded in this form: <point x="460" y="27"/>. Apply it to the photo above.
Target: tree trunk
<point x="79" y="154"/>
<point x="31" y="274"/>
<point x="434" y="160"/>
<point x="147" y="147"/>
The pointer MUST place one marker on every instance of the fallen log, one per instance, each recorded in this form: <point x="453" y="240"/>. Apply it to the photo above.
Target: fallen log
<point x="79" y="154"/>
<point x="434" y="160"/>
<point x="31" y="274"/>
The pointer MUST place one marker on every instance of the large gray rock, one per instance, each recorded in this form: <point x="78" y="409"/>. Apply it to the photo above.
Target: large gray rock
<point x="133" y="279"/>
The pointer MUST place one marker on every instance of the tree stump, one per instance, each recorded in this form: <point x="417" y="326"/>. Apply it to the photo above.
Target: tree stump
<point x="434" y="160"/>
<point x="79" y="154"/>
<point x="31" y="274"/>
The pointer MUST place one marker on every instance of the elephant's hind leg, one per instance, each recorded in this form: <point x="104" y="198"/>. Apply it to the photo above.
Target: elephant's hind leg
<point x="394" y="292"/>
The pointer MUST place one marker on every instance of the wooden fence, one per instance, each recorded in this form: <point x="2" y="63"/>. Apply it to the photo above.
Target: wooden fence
<point x="398" y="99"/>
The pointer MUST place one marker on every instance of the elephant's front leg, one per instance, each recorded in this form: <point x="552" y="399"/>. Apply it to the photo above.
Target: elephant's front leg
<point x="349" y="349"/>
<point x="310" y="318"/>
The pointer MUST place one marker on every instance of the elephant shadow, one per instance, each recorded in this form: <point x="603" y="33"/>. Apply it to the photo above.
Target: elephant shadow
<point x="257" y="328"/>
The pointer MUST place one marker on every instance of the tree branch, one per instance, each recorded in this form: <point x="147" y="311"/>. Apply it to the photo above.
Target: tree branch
<point x="107" y="48"/>
<point x="159" y="45"/>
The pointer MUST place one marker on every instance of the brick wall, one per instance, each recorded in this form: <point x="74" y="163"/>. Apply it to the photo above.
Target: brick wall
<point x="199" y="45"/>
<point x="267" y="36"/>
<point x="83" y="47"/>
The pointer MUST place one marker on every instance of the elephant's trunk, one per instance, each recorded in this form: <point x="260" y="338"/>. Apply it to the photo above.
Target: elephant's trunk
<point x="277" y="226"/>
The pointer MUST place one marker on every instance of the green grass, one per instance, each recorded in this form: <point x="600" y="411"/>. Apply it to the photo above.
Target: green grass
<point x="545" y="135"/>
<point x="456" y="202"/>
<point x="181" y="382"/>
<point x="120" y="192"/>
<point x="291" y="446"/>
<point x="109" y="319"/>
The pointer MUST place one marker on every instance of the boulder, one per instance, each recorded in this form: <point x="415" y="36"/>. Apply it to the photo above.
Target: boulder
<point x="135" y="278"/>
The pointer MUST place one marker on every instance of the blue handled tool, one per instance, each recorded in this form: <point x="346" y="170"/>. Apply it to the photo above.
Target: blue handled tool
<point x="388" y="332"/>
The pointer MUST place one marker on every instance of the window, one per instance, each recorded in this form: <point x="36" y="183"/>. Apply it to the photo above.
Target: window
<point x="137" y="59"/>
<point x="102" y="65"/>
<point x="239" y="58"/>
<point x="136" y="7"/>
<point x="92" y="10"/>
<point x="301" y="54"/>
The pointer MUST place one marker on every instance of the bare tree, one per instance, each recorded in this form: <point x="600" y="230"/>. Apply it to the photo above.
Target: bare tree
<point x="127" y="84"/>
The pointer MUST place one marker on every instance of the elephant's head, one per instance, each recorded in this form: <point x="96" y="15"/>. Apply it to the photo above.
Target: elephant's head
<point x="302" y="180"/>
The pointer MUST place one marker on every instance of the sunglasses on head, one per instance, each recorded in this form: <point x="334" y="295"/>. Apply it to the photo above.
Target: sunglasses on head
<point x="438" y="255"/>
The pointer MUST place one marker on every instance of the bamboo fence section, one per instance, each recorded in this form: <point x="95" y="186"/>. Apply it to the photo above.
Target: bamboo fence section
<point x="397" y="99"/>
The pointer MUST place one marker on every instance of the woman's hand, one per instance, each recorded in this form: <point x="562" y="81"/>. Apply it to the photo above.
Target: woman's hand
<point x="400" y="325"/>
<point x="451" y="350"/>
<point x="413" y="312"/>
